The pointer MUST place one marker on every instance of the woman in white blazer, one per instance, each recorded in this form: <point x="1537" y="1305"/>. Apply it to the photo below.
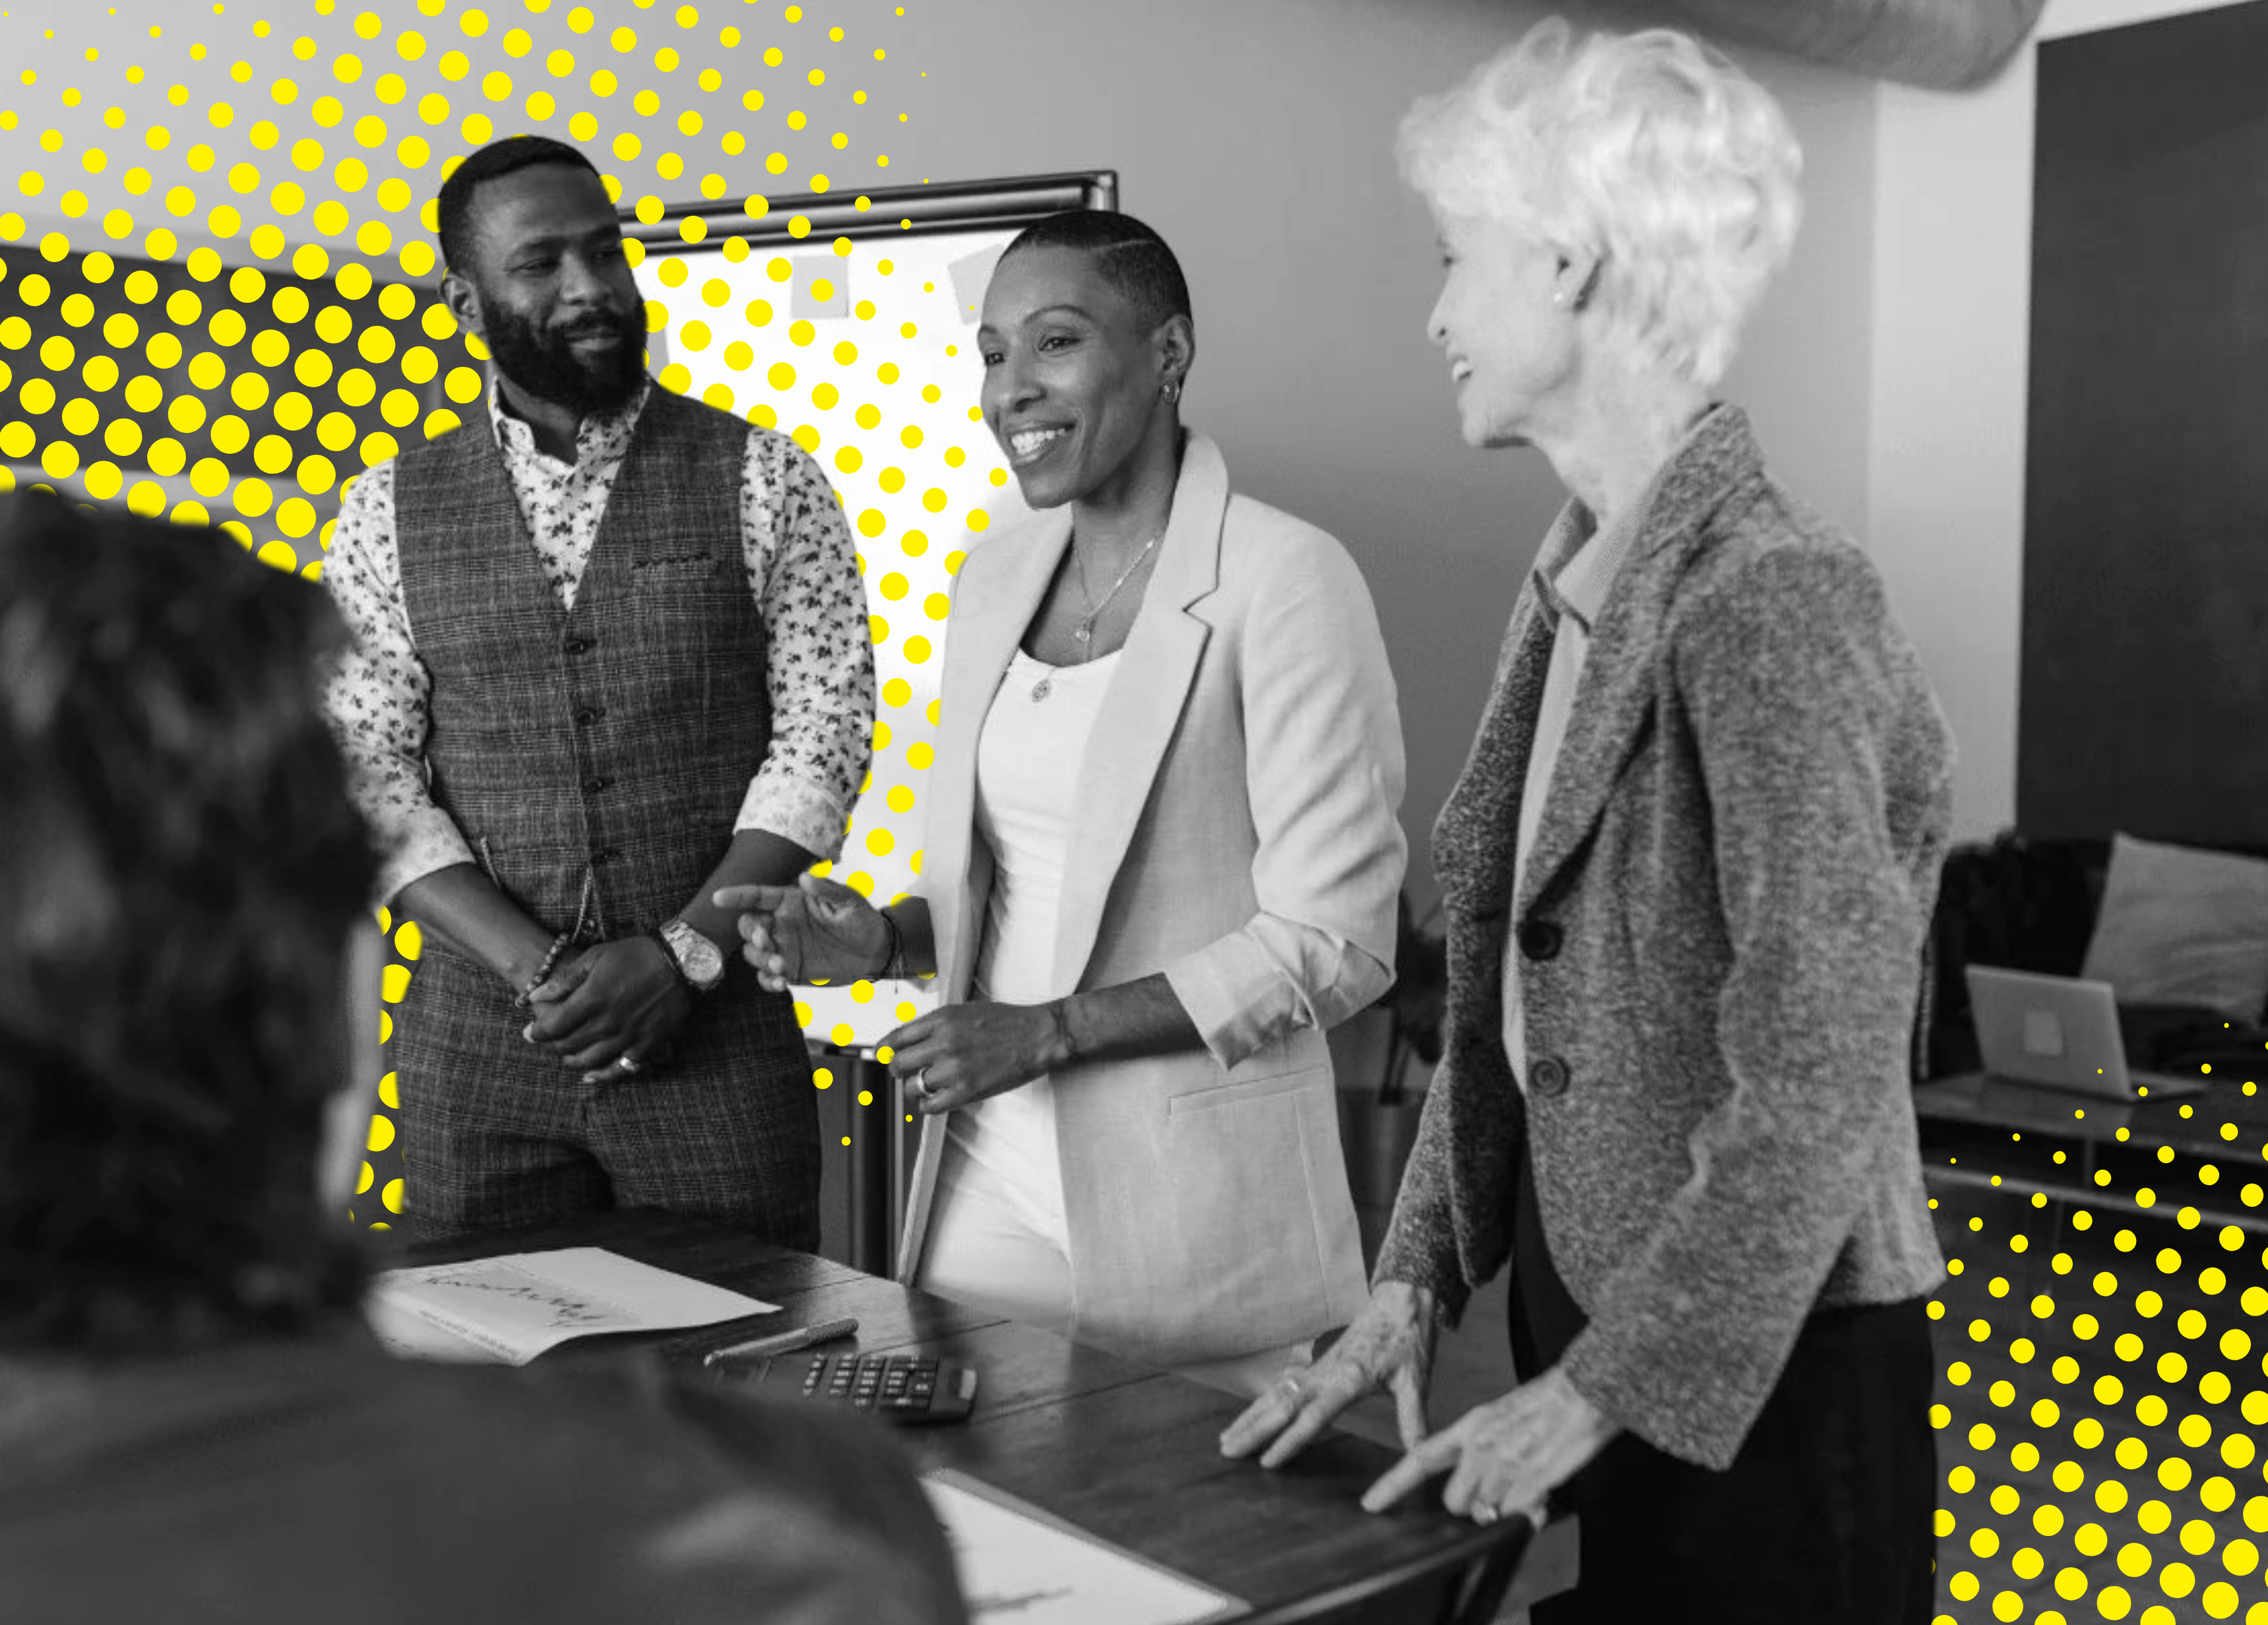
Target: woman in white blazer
<point x="1163" y="859"/>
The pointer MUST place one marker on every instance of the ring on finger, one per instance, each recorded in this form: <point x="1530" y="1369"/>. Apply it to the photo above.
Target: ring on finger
<point x="1485" y="1513"/>
<point x="628" y="1062"/>
<point x="921" y="1084"/>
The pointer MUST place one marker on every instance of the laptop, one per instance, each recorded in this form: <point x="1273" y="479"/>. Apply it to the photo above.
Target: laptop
<point x="2061" y="1032"/>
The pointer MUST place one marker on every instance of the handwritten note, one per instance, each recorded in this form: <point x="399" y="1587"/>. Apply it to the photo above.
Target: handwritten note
<point x="1018" y="1566"/>
<point x="514" y="1308"/>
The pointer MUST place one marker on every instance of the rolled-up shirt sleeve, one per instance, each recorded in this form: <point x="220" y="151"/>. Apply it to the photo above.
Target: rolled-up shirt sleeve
<point x="804" y="571"/>
<point x="376" y="693"/>
<point x="1323" y="777"/>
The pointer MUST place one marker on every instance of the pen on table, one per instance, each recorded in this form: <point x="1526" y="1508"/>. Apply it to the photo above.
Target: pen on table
<point x="785" y="1342"/>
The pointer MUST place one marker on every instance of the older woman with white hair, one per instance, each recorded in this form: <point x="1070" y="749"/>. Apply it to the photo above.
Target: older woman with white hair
<point x="1689" y="870"/>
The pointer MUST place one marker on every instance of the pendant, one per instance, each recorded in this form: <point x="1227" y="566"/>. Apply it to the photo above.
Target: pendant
<point x="1042" y="688"/>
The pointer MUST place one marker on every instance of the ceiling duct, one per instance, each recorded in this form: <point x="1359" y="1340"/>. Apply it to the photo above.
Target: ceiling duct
<point x="1936" y="44"/>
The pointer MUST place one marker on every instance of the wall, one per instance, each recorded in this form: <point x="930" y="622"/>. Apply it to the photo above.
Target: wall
<point x="1952" y="323"/>
<point x="1256" y="134"/>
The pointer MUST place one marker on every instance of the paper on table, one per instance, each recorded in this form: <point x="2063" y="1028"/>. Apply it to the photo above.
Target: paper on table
<point x="511" y="1309"/>
<point x="1018" y="1564"/>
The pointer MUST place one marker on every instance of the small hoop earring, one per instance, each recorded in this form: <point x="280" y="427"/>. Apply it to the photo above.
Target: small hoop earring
<point x="1171" y="389"/>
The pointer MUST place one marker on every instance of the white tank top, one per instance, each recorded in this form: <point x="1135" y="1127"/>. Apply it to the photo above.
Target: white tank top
<point x="1028" y="758"/>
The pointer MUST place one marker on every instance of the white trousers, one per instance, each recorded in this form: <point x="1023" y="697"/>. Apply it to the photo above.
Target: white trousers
<point x="984" y="1251"/>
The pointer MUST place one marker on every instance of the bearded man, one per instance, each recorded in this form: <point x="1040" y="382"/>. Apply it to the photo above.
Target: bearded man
<point x="612" y="654"/>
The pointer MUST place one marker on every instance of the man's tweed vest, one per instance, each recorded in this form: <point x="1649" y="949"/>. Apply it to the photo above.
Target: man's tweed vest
<point x="595" y="760"/>
<point x="616" y="739"/>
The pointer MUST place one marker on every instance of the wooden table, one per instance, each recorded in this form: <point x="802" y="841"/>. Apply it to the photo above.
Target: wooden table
<point x="1129" y="1454"/>
<point x="2224" y="1124"/>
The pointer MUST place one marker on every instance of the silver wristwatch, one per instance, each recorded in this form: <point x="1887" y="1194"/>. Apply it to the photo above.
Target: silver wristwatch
<point x="699" y="961"/>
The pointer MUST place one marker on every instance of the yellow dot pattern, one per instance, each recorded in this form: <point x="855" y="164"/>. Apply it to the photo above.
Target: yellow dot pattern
<point x="2103" y="1400"/>
<point x="886" y="407"/>
<point x="218" y="268"/>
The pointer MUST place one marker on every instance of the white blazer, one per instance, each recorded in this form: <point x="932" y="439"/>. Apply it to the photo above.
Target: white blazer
<point x="1235" y="826"/>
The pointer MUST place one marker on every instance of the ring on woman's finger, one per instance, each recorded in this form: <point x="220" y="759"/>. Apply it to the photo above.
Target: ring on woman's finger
<point x="1484" y="1513"/>
<point x="628" y="1062"/>
<point x="1290" y="1389"/>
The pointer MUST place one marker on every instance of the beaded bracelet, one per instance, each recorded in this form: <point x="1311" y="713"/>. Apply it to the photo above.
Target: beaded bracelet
<point x="543" y="971"/>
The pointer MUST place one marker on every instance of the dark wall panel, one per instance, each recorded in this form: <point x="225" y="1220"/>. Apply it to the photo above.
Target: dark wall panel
<point x="2145" y="678"/>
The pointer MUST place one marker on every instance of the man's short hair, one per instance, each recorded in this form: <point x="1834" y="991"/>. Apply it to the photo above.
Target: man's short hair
<point x="1130" y="256"/>
<point x="181" y="870"/>
<point x="453" y="209"/>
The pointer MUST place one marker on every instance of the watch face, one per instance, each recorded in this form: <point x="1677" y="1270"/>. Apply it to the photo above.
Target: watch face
<point x="703" y="959"/>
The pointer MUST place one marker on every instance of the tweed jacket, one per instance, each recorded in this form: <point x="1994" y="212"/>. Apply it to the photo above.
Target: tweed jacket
<point x="1722" y="927"/>
<point x="1234" y="827"/>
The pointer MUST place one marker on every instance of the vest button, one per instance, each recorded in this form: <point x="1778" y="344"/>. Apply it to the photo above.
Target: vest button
<point x="607" y="854"/>
<point x="577" y="645"/>
<point x="588" y="715"/>
<point x="1541" y="939"/>
<point x="596" y="785"/>
<point x="1549" y="1076"/>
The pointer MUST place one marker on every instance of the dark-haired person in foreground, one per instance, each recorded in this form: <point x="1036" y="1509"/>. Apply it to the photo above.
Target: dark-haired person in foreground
<point x="1163" y="859"/>
<point x="612" y="654"/>
<point x="194" y="1424"/>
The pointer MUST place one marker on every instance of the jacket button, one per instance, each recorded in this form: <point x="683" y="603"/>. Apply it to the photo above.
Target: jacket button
<point x="1549" y="1076"/>
<point x="1540" y="939"/>
<point x="595" y="785"/>
<point x="588" y="715"/>
<point x="577" y="645"/>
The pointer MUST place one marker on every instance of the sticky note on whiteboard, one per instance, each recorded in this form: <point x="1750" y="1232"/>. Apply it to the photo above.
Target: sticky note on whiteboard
<point x="812" y="275"/>
<point x="2042" y="1034"/>
<point x="971" y="275"/>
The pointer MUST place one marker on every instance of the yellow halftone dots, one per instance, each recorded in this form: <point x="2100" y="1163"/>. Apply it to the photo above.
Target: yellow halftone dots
<point x="823" y="1078"/>
<point x="384" y="1027"/>
<point x="410" y="941"/>
<point x="389" y="1091"/>
<point x="382" y="1131"/>
<point x="841" y="1035"/>
<point x="392" y="1196"/>
<point x="393" y="983"/>
<point x="362" y="1180"/>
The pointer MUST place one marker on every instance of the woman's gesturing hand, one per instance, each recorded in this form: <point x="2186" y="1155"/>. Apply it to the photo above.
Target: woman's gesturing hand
<point x="816" y="930"/>
<point x="1389" y="1346"/>
<point x="958" y="1055"/>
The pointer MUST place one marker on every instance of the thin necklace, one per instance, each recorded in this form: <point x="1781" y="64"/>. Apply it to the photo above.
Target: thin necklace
<point x="1085" y="631"/>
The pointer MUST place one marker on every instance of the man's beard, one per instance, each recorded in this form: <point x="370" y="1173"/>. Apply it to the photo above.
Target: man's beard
<point x="545" y="364"/>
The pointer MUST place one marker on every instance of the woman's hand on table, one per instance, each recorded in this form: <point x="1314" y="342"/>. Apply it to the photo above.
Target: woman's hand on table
<point x="1505" y="1457"/>
<point x="963" y="1054"/>
<point x="816" y="930"/>
<point x="1388" y="1346"/>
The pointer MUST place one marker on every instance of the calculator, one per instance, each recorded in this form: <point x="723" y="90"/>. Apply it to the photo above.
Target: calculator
<point x="904" y="1389"/>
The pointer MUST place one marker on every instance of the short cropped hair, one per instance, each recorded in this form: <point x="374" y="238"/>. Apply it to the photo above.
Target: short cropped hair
<point x="1130" y="256"/>
<point x="181" y="865"/>
<point x="453" y="210"/>
<point x="1650" y="151"/>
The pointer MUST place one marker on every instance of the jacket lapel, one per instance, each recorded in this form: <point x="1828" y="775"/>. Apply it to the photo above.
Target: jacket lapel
<point x="1474" y="834"/>
<point x="987" y="627"/>
<point x="1144" y="702"/>
<point x="1613" y="701"/>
